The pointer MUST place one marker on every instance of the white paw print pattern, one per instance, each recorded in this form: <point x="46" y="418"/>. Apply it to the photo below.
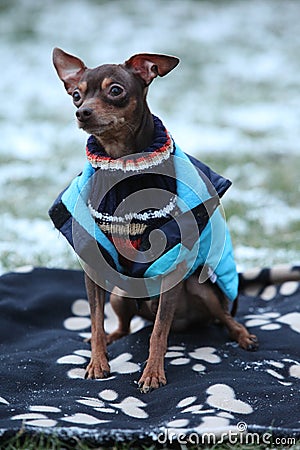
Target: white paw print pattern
<point x="37" y="419"/>
<point x="102" y="410"/>
<point x="38" y="416"/>
<point x="273" y="321"/>
<point x="107" y="404"/>
<point x="178" y="357"/>
<point x="3" y="401"/>
<point x="80" y="320"/>
<point x="216" y="413"/>
<point x="122" y="364"/>
<point x="282" y="370"/>
<point x="286" y="289"/>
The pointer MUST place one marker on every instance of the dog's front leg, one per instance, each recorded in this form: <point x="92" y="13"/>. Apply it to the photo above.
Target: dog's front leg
<point x="153" y="376"/>
<point x="98" y="366"/>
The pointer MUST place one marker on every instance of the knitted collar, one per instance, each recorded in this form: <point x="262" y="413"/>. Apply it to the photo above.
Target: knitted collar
<point x="158" y="152"/>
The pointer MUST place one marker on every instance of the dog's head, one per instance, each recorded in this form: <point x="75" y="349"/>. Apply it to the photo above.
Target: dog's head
<point x="110" y="96"/>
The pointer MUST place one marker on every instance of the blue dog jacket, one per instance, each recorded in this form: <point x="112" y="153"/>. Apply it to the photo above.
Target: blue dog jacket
<point x="113" y="207"/>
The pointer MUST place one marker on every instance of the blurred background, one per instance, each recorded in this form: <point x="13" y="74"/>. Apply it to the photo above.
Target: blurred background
<point x="233" y="102"/>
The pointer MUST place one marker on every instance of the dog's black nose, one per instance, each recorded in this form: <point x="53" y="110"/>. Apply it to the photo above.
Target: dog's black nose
<point x="83" y="114"/>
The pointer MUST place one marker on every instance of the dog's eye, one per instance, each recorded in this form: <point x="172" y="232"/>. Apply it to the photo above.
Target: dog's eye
<point x="76" y="96"/>
<point x="116" y="90"/>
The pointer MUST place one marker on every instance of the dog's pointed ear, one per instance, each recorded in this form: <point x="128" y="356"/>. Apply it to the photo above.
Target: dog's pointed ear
<point x="69" y="68"/>
<point x="148" y="65"/>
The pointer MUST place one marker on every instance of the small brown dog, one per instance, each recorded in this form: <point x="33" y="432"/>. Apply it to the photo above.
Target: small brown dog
<point x="111" y="106"/>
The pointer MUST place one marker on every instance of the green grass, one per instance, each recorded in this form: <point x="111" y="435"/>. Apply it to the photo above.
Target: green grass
<point x="46" y="442"/>
<point x="263" y="186"/>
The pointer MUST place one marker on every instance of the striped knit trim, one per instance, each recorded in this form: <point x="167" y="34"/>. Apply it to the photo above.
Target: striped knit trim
<point x="123" y="231"/>
<point x="133" y="164"/>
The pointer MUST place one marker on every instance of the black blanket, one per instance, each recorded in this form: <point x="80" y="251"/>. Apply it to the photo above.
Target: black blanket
<point x="214" y="387"/>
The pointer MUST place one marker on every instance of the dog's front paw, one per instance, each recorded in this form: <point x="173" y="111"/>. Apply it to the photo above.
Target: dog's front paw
<point x="248" y="342"/>
<point x="151" y="380"/>
<point x="97" y="369"/>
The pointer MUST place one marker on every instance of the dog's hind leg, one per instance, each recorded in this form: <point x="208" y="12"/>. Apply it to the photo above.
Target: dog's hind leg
<point x="217" y="304"/>
<point x="125" y="309"/>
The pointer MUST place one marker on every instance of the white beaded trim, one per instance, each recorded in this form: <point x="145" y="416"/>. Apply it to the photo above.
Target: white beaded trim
<point x="157" y="214"/>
